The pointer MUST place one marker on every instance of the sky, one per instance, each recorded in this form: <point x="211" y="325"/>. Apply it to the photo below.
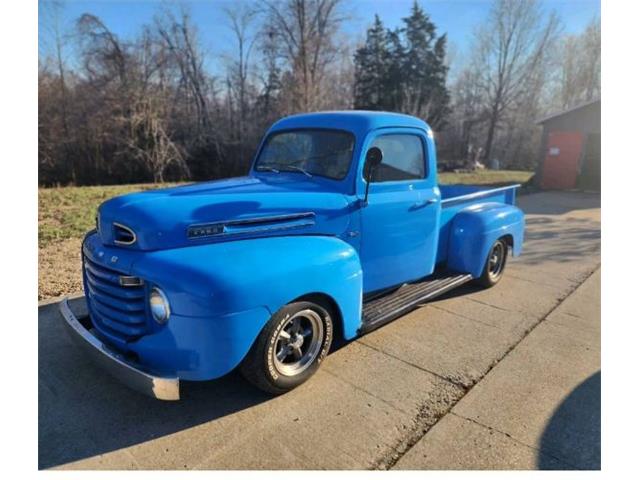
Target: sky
<point x="458" y="18"/>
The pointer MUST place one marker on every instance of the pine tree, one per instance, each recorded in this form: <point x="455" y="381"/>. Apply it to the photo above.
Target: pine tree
<point x="394" y="82"/>
<point x="424" y="86"/>
<point x="404" y="70"/>
<point x="371" y="63"/>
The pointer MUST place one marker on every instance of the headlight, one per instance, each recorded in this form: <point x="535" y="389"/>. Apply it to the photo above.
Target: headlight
<point x="159" y="306"/>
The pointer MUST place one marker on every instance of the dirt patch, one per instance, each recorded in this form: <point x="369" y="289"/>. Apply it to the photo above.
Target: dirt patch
<point x="59" y="269"/>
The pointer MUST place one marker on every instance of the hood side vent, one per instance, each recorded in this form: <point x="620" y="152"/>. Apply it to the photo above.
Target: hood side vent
<point x="253" y="225"/>
<point x="123" y="235"/>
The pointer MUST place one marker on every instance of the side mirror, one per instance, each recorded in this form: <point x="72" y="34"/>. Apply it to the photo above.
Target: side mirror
<point x="372" y="160"/>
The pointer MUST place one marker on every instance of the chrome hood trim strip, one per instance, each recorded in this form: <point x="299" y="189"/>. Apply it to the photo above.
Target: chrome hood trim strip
<point x="260" y="224"/>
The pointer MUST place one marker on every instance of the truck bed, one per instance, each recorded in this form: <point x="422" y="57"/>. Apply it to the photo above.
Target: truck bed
<point x="457" y="197"/>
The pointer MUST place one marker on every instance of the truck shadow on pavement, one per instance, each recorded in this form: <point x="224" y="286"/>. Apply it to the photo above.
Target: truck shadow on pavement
<point x="557" y="202"/>
<point x="573" y="432"/>
<point x="547" y="241"/>
<point x="550" y="240"/>
<point x="83" y="412"/>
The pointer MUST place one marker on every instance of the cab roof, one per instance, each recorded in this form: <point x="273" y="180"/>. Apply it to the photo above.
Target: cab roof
<point x="358" y="122"/>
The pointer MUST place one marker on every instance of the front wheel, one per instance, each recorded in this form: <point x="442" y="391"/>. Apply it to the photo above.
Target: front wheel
<point x="495" y="264"/>
<point x="290" y="348"/>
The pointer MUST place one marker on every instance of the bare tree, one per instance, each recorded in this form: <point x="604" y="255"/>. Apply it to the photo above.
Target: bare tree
<point x="130" y="80"/>
<point x="179" y="35"/>
<point x="195" y="110"/>
<point x="468" y="111"/>
<point x="105" y="56"/>
<point x="52" y="15"/>
<point x="579" y="68"/>
<point x="148" y="140"/>
<point x="241" y="22"/>
<point x="512" y="46"/>
<point x="267" y="102"/>
<point x="306" y="30"/>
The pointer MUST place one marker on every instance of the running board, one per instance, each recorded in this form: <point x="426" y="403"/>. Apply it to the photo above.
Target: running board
<point x="382" y="310"/>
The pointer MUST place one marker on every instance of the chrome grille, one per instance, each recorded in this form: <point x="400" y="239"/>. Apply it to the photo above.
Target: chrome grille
<point x="117" y="311"/>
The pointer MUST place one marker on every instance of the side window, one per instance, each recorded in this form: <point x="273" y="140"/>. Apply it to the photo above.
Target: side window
<point x="403" y="158"/>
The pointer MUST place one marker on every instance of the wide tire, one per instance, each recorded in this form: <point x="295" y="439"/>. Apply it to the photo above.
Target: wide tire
<point x="495" y="264"/>
<point x="290" y="348"/>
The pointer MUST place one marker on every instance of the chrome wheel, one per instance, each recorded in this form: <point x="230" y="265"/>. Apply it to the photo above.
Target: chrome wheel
<point x="497" y="259"/>
<point x="299" y="341"/>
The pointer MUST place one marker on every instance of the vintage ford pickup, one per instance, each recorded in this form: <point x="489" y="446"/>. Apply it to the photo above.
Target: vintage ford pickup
<point x="339" y="227"/>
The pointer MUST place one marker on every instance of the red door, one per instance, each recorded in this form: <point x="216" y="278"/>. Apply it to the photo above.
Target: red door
<point x="561" y="163"/>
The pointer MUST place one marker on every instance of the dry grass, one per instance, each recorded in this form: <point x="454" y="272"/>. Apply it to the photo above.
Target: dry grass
<point x="66" y="213"/>
<point x="486" y="177"/>
<point x="69" y="212"/>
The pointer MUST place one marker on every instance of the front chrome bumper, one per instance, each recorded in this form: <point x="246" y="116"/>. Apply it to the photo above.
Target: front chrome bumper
<point x="161" y="388"/>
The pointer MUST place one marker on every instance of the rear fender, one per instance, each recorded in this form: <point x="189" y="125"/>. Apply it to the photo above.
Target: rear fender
<point x="476" y="228"/>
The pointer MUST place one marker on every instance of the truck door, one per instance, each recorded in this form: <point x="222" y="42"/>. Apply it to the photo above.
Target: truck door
<point x="399" y="224"/>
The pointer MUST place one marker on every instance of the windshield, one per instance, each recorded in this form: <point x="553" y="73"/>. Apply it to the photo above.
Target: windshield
<point x="312" y="152"/>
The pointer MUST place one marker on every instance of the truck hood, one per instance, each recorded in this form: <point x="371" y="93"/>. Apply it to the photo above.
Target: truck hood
<point x="236" y="208"/>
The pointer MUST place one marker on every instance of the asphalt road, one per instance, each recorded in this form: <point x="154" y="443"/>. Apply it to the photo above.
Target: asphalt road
<point x="478" y="379"/>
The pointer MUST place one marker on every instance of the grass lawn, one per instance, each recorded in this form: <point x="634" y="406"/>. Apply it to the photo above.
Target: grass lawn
<point x="487" y="177"/>
<point x="69" y="212"/>
<point x="65" y="214"/>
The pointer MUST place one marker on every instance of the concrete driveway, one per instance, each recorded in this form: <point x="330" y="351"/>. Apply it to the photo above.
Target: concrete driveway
<point x="453" y="373"/>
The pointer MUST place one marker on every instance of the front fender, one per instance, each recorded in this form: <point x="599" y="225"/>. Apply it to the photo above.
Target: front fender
<point x="216" y="283"/>
<point x="476" y="228"/>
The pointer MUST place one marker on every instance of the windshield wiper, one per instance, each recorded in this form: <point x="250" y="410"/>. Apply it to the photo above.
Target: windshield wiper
<point x="283" y="168"/>
<point x="297" y="168"/>
<point x="262" y="168"/>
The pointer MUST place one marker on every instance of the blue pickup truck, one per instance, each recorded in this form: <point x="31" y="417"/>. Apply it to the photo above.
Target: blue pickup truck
<point x="339" y="227"/>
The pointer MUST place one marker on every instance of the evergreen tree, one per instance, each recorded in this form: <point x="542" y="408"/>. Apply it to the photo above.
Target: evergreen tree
<point x="394" y="82"/>
<point x="371" y="63"/>
<point x="424" y="86"/>
<point x="404" y="70"/>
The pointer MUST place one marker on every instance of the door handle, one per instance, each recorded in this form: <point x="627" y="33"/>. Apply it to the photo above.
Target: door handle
<point x="424" y="203"/>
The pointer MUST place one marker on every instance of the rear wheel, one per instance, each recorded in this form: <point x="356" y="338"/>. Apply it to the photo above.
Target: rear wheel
<point x="495" y="264"/>
<point x="290" y="348"/>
